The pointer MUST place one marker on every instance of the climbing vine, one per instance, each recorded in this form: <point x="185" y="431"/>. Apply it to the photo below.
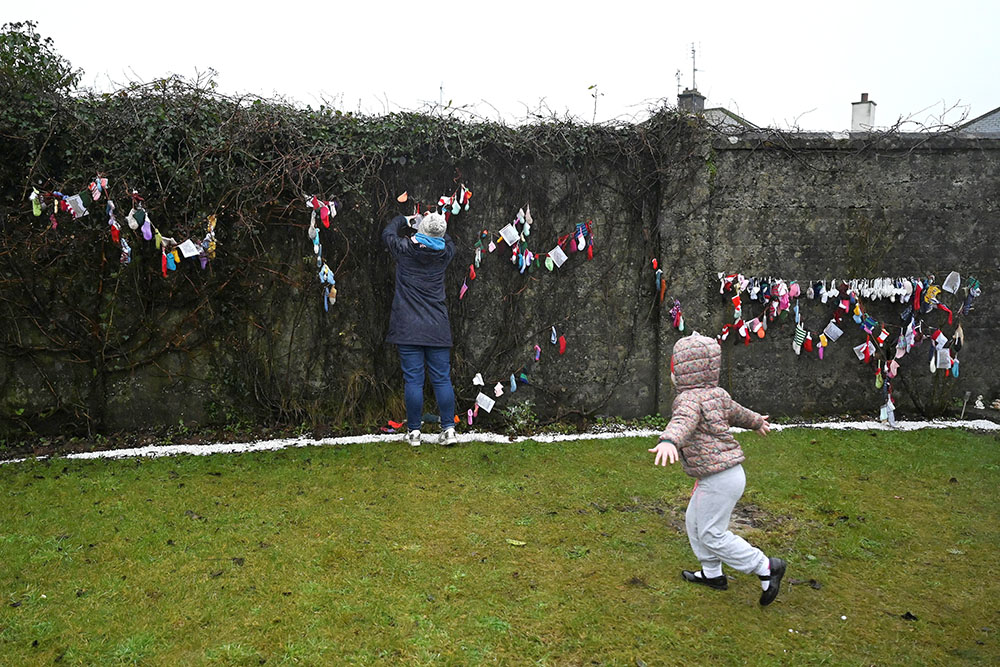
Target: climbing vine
<point x="93" y="344"/>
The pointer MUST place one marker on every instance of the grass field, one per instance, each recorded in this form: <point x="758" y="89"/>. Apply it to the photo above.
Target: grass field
<point x="383" y="553"/>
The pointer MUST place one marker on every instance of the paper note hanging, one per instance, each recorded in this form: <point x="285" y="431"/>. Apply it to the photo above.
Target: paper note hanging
<point x="189" y="249"/>
<point x="75" y="204"/>
<point x="832" y="331"/>
<point x="558" y="256"/>
<point x="509" y="234"/>
<point x="485" y="402"/>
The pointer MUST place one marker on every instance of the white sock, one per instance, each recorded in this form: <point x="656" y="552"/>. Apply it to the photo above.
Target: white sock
<point x="712" y="572"/>
<point x="764" y="570"/>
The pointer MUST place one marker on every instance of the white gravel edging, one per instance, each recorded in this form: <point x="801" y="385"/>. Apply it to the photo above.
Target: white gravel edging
<point x="155" y="451"/>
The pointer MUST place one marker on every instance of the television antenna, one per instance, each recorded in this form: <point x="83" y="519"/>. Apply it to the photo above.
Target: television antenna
<point x="694" y="69"/>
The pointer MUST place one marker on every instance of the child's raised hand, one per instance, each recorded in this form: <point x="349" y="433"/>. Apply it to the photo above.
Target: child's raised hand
<point x="765" y="428"/>
<point x="664" y="451"/>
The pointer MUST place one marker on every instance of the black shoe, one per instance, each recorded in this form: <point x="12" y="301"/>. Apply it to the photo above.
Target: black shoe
<point x="777" y="572"/>
<point x="719" y="583"/>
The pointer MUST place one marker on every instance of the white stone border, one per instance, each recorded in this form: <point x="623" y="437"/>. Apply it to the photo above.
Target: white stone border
<point x="155" y="451"/>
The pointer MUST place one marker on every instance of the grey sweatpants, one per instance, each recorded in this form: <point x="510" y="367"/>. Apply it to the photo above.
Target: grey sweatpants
<point x="707" y="520"/>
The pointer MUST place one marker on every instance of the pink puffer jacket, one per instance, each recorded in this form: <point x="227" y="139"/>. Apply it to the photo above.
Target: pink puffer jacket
<point x="703" y="411"/>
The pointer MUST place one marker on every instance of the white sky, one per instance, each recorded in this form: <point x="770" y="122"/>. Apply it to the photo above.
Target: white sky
<point x="780" y="64"/>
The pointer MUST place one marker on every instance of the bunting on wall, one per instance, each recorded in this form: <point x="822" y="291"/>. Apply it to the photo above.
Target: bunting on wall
<point x="515" y="235"/>
<point x="138" y="220"/>
<point x="761" y="303"/>
<point x="660" y="289"/>
<point x="325" y="211"/>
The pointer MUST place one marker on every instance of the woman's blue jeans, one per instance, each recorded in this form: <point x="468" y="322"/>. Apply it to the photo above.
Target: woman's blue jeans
<point x="413" y="358"/>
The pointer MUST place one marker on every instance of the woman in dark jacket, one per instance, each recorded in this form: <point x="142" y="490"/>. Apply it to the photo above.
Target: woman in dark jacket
<point x="418" y="324"/>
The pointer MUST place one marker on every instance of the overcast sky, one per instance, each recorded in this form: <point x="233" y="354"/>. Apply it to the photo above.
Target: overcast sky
<point x="783" y="64"/>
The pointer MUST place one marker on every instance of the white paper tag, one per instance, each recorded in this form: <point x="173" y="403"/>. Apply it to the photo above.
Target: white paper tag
<point x="832" y="331"/>
<point x="558" y="256"/>
<point x="493" y="246"/>
<point x="510" y="235"/>
<point x="76" y="204"/>
<point x="485" y="402"/>
<point x="189" y="249"/>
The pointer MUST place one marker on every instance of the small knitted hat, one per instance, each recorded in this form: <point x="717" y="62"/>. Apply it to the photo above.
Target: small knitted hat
<point x="433" y="225"/>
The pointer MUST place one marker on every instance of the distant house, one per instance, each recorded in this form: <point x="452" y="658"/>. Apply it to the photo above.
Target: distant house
<point x="987" y="125"/>
<point x="719" y="118"/>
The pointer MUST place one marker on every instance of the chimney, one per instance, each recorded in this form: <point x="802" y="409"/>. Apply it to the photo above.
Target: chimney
<point x="862" y="115"/>
<point x="691" y="101"/>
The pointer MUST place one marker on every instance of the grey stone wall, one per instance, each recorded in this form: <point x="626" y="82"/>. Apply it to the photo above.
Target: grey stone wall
<point x="797" y="207"/>
<point x="810" y="207"/>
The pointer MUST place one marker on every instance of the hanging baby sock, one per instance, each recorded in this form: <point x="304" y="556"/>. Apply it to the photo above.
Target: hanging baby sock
<point x="463" y="290"/>
<point x="498" y="390"/>
<point x="538" y="353"/>
<point x="562" y="345"/>
<point x="513" y="384"/>
<point x="798" y="338"/>
<point x="554" y="339"/>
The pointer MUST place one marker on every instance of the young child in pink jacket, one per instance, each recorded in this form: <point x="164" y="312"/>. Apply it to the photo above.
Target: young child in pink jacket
<point x="699" y="431"/>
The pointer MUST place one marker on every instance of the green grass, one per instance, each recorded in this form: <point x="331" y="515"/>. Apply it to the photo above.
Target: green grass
<point x="381" y="553"/>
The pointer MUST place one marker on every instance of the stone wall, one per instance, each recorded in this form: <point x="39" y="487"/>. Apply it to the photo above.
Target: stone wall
<point x="798" y="207"/>
<point x="811" y="207"/>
